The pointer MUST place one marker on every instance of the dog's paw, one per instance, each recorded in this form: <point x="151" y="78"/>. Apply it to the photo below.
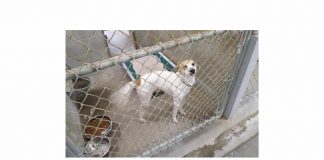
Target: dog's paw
<point x="142" y="120"/>
<point x="182" y="112"/>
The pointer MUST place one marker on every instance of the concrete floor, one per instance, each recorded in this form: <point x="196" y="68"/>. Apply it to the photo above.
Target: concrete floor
<point x="221" y="137"/>
<point x="248" y="149"/>
<point x="229" y="140"/>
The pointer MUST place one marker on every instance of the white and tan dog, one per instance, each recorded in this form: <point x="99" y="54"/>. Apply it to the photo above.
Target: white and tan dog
<point x="177" y="84"/>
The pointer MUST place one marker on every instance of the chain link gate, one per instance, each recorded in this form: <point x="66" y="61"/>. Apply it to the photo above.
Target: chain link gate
<point x="100" y="62"/>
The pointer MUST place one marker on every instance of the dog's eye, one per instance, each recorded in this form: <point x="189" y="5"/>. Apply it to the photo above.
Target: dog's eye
<point x="193" y="64"/>
<point x="185" y="66"/>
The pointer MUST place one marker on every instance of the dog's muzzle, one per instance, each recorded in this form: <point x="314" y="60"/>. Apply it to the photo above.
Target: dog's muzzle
<point x="192" y="71"/>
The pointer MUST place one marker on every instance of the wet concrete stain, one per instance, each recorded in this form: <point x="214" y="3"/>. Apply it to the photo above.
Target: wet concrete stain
<point x="221" y="141"/>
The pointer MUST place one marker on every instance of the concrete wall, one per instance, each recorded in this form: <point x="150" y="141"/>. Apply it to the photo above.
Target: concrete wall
<point x="85" y="46"/>
<point x="253" y="86"/>
<point x="151" y="37"/>
<point x="73" y="130"/>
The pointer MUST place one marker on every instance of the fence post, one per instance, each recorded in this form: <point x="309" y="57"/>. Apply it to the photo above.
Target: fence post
<point x="244" y="73"/>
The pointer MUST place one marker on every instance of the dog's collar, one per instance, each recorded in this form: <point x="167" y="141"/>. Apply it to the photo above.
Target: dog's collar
<point x="184" y="82"/>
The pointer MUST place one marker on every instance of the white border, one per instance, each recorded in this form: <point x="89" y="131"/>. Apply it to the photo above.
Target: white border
<point x="291" y="65"/>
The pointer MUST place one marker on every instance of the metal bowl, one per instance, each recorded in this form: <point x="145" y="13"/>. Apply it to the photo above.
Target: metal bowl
<point x="97" y="147"/>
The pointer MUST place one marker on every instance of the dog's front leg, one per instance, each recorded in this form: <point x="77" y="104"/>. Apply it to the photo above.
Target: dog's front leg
<point x="182" y="112"/>
<point x="176" y="105"/>
<point x="174" y="113"/>
<point x="145" y="101"/>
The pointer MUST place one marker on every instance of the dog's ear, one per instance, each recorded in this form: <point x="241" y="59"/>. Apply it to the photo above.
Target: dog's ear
<point x="176" y="68"/>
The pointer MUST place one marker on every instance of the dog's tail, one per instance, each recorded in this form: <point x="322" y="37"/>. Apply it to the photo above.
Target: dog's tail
<point x="121" y="96"/>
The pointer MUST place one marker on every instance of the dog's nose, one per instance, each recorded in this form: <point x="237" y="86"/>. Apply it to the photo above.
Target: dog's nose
<point x="192" y="71"/>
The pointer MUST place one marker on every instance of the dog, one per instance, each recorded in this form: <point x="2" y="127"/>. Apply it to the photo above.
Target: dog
<point x="177" y="84"/>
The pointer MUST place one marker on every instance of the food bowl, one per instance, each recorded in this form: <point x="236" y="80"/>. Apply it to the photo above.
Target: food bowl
<point x="97" y="147"/>
<point x="97" y="126"/>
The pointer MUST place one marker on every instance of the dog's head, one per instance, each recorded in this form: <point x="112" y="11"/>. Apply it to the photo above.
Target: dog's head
<point x="187" y="67"/>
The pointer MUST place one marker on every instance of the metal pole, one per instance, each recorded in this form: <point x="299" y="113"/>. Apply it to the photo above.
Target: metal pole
<point x="100" y="65"/>
<point x="243" y="76"/>
<point x="229" y="83"/>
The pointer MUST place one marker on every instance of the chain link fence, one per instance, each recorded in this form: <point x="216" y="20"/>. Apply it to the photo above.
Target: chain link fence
<point x="100" y="62"/>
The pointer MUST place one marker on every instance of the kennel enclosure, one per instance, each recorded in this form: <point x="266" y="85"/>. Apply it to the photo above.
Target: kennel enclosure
<point x="100" y="62"/>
